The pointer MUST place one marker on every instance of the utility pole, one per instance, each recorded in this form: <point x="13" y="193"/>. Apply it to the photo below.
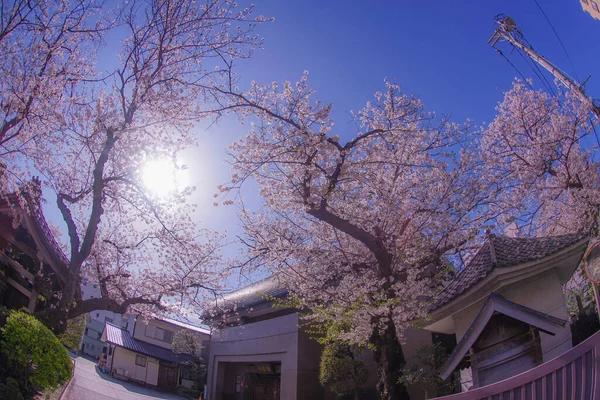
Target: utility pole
<point x="507" y="30"/>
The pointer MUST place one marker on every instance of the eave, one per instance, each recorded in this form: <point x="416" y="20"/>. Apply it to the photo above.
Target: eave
<point x="564" y="262"/>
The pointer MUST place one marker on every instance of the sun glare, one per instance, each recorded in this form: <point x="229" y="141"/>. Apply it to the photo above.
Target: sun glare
<point x="161" y="177"/>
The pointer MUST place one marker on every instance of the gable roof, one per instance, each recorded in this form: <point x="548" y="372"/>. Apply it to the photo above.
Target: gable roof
<point x="503" y="252"/>
<point x="498" y="304"/>
<point x="120" y="337"/>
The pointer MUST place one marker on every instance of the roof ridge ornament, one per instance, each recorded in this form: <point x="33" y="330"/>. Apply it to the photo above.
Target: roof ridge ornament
<point x="490" y="239"/>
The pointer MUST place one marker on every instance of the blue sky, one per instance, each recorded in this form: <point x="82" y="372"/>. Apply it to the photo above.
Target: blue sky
<point x="435" y="49"/>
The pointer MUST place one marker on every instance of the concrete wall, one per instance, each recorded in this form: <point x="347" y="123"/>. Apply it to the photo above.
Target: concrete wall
<point x="274" y="340"/>
<point x="412" y="341"/>
<point x="281" y="340"/>
<point x="544" y="293"/>
<point x="309" y="358"/>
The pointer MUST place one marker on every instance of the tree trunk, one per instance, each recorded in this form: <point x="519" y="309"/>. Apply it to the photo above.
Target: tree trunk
<point x="389" y="359"/>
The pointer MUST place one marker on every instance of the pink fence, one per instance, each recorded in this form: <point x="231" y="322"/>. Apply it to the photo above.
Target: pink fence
<point x="573" y="375"/>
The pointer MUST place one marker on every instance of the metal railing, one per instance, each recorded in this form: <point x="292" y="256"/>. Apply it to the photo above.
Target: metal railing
<point x="574" y="375"/>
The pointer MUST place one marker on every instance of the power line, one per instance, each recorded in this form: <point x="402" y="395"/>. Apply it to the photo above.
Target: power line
<point x="558" y="37"/>
<point x="538" y="72"/>
<point x="516" y="69"/>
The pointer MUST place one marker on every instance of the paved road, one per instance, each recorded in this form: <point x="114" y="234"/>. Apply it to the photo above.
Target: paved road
<point x="90" y="384"/>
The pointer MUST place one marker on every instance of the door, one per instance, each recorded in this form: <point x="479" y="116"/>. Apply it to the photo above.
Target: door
<point x="167" y="375"/>
<point x="266" y="387"/>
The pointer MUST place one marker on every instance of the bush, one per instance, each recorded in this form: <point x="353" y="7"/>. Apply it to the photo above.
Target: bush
<point x="340" y="371"/>
<point x="10" y="390"/>
<point x="72" y="336"/>
<point x="33" y="353"/>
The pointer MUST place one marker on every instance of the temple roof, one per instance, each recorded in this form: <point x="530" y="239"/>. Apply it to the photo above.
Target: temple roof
<point x="503" y="252"/>
<point x="252" y="297"/>
<point x="28" y="205"/>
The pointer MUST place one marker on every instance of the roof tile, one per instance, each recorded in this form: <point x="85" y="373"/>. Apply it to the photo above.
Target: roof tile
<point x="502" y="252"/>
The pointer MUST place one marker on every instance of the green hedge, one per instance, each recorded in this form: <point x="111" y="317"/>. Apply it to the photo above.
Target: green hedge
<point x="32" y="355"/>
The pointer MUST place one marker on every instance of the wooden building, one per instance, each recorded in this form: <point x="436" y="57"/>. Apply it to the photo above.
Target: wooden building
<point x="33" y="268"/>
<point x="507" y="308"/>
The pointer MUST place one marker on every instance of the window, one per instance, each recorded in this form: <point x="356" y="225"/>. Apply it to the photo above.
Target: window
<point x="168" y="337"/>
<point x="97" y="315"/>
<point x="163" y="335"/>
<point x="106" y="319"/>
<point x="595" y="6"/>
<point x="140" y="360"/>
<point x="86" y="331"/>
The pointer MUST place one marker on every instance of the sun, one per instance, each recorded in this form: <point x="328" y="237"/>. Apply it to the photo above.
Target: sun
<point x="162" y="177"/>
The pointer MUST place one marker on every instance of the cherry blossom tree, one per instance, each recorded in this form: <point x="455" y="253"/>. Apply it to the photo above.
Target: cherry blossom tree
<point x="541" y="152"/>
<point x="357" y="229"/>
<point x="101" y="128"/>
<point x="44" y="46"/>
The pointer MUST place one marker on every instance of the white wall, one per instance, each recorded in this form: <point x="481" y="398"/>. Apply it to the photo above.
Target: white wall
<point x="125" y="359"/>
<point x="144" y="331"/>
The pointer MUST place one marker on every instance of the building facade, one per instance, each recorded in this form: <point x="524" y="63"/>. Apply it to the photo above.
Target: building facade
<point x="507" y="308"/>
<point x="91" y="343"/>
<point x="144" y="354"/>
<point x="262" y="352"/>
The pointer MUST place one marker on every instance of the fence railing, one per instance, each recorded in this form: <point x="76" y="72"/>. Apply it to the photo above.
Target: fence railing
<point x="574" y="375"/>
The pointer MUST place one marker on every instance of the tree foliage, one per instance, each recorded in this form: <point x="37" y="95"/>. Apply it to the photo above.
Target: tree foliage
<point x="541" y="154"/>
<point x="424" y="372"/>
<point x="369" y="219"/>
<point x="341" y="372"/>
<point x="187" y="342"/>
<point x="89" y="130"/>
<point x="32" y="354"/>
<point x="71" y="338"/>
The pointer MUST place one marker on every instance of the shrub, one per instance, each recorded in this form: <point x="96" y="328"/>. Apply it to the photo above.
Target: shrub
<point x="34" y="351"/>
<point x="341" y="372"/>
<point x="10" y="390"/>
<point x="72" y="336"/>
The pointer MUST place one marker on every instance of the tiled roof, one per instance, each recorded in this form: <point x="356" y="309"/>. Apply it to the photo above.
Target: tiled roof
<point x="122" y="338"/>
<point x="256" y="297"/>
<point x="502" y="252"/>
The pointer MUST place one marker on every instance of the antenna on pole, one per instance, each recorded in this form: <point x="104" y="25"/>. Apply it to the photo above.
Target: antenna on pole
<point x="507" y="30"/>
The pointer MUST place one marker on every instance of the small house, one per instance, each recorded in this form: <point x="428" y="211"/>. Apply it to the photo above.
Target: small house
<point x="146" y="356"/>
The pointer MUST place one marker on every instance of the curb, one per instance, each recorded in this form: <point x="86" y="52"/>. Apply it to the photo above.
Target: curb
<point x="62" y="396"/>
